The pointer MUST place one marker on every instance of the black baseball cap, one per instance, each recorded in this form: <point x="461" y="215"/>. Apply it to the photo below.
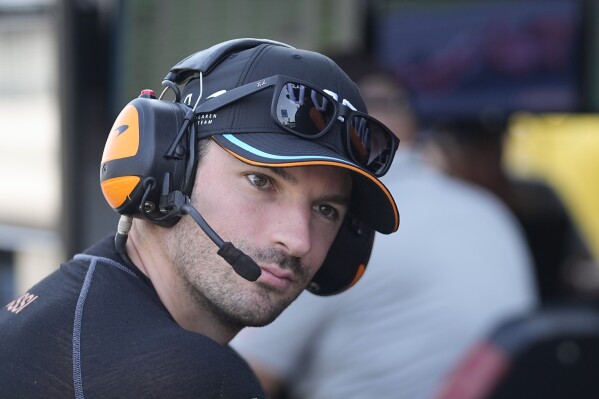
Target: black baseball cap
<point x="247" y="130"/>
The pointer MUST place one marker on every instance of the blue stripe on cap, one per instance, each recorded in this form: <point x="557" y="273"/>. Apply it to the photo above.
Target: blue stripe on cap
<point x="263" y="154"/>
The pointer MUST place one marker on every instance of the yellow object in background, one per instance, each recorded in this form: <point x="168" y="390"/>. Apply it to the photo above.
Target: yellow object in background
<point x="562" y="150"/>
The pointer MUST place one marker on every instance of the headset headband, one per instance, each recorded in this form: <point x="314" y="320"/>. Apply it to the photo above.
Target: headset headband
<point x="204" y="61"/>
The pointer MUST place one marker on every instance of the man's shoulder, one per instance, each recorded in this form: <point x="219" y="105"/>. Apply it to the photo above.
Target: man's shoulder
<point x="170" y="362"/>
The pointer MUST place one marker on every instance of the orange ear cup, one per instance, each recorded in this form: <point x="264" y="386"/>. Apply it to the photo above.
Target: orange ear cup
<point x="122" y="142"/>
<point x="118" y="189"/>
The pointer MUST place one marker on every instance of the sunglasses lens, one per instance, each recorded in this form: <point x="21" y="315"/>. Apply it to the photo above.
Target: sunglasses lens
<point x="304" y="110"/>
<point x="370" y="144"/>
<point x="309" y="113"/>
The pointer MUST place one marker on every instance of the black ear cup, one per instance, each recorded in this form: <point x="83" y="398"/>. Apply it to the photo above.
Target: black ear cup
<point x="347" y="259"/>
<point x="134" y="164"/>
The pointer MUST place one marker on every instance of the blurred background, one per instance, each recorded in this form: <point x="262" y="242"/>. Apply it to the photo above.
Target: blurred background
<point x="67" y="68"/>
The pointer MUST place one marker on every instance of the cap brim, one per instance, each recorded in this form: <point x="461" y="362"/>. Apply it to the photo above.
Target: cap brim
<point x="372" y="201"/>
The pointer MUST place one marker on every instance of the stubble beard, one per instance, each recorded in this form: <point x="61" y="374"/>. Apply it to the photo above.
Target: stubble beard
<point x="215" y="286"/>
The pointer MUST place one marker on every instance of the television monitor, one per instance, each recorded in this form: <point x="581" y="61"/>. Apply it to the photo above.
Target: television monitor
<point x="461" y="58"/>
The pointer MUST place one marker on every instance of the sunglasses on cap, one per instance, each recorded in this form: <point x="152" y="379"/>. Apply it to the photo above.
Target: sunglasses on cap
<point x="308" y="112"/>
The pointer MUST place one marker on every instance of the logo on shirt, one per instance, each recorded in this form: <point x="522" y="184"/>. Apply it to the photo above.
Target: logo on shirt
<point x="21" y="302"/>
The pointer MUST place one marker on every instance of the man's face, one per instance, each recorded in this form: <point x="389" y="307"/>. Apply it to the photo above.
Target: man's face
<point x="284" y="218"/>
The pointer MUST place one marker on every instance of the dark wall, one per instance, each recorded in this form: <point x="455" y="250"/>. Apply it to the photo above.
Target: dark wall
<point x="86" y="46"/>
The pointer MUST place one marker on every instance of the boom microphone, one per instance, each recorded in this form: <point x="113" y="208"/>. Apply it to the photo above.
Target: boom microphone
<point x="241" y="263"/>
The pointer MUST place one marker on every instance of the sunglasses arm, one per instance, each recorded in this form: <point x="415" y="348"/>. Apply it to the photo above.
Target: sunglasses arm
<point x="231" y="96"/>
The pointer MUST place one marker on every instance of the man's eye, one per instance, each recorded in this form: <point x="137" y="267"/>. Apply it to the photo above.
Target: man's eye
<point x="327" y="211"/>
<point x="258" y="180"/>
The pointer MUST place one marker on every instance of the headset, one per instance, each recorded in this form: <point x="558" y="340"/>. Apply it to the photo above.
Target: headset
<point x="149" y="164"/>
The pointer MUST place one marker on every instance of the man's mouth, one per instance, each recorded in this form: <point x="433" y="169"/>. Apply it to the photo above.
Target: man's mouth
<point x="276" y="277"/>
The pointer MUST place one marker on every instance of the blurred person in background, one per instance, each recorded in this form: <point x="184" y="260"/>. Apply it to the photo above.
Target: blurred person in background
<point x="472" y="149"/>
<point x="457" y="267"/>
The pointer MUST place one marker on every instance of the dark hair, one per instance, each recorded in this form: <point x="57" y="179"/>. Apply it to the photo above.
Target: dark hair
<point x="201" y="151"/>
<point x="481" y="126"/>
<point x="358" y="65"/>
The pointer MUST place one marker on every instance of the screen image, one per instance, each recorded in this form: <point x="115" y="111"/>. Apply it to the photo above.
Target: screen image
<point x="462" y="57"/>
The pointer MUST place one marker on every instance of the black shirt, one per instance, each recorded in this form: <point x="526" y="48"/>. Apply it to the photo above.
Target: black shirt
<point x="97" y="328"/>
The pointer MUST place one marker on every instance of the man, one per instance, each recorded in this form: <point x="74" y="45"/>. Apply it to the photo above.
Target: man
<point x="473" y="149"/>
<point x="456" y="268"/>
<point x="150" y="311"/>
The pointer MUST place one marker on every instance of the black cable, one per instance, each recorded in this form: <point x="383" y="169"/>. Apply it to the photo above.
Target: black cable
<point x="191" y="211"/>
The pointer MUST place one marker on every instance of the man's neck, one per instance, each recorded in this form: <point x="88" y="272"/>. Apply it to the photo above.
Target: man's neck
<point x="150" y="255"/>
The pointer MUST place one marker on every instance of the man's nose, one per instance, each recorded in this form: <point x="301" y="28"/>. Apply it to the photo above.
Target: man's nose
<point x="292" y="230"/>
